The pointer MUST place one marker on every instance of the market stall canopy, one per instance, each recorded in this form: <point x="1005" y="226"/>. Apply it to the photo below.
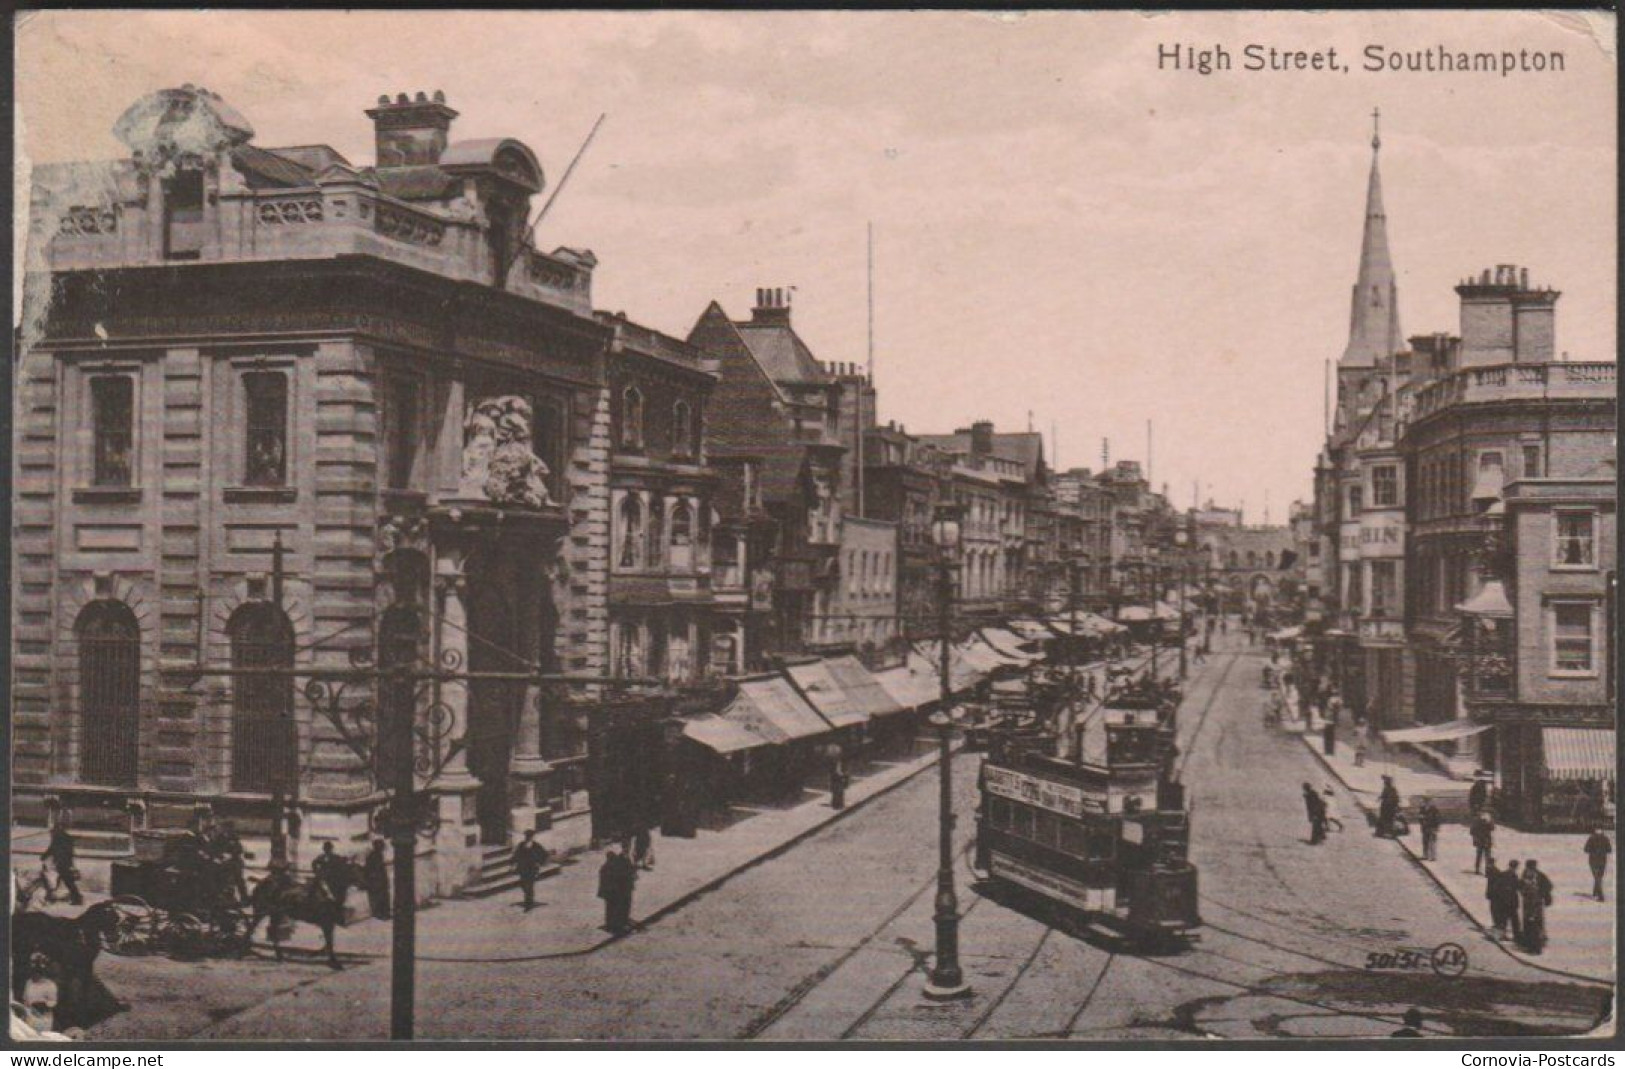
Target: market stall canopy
<point x="1286" y="634"/>
<point x="1031" y="630"/>
<point x="820" y="687"/>
<point x="1139" y="614"/>
<point x="1450" y="729"/>
<point x="925" y="660"/>
<point x="909" y="687"/>
<point x="1007" y="644"/>
<point x="1090" y="625"/>
<point x="983" y="658"/>
<point x="770" y="706"/>
<point x="1490" y="601"/>
<point x="722" y="735"/>
<point x="862" y="687"/>
<point x="1578" y="753"/>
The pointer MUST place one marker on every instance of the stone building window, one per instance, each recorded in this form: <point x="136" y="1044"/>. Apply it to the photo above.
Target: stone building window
<point x="112" y="413"/>
<point x="1384" y="485"/>
<point x="655" y="557"/>
<point x="109" y="641"/>
<point x="264" y="738"/>
<point x="1572" y="639"/>
<point x="266" y="428"/>
<point x="1531" y="461"/>
<point x="682" y="537"/>
<point x="632" y="418"/>
<point x="1576" y="539"/>
<point x="682" y="430"/>
<point x="183" y="214"/>
<point x="631" y="516"/>
<point x="402" y="413"/>
<point x="1356" y="501"/>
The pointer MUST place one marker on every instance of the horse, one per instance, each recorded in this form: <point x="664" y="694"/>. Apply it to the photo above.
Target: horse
<point x="311" y="902"/>
<point x="66" y="948"/>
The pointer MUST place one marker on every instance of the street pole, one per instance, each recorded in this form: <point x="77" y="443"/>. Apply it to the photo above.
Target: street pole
<point x="947" y="981"/>
<point x="1182" y="578"/>
<point x="396" y="738"/>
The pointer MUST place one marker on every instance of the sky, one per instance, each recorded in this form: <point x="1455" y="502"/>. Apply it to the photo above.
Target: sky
<point x="1063" y="233"/>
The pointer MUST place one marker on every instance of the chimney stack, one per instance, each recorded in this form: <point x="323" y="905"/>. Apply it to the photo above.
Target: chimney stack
<point x="411" y="132"/>
<point x="772" y="308"/>
<point x="1504" y="321"/>
<point x="981" y="438"/>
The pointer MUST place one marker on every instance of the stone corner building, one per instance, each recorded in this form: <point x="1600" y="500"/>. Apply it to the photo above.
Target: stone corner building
<point x="247" y="348"/>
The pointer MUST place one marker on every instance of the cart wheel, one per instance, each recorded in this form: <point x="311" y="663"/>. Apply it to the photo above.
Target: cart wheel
<point x="135" y="930"/>
<point x="186" y="937"/>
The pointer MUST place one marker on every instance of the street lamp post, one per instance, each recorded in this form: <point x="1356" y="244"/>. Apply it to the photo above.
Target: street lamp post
<point x="947" y="980"/>
<point x="1179" y="538"/>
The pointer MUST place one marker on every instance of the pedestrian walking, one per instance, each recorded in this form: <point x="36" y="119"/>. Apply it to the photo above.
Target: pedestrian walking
<point x="60" y="853"/>
<point x="1328" y="806"/>
<point x="616" y="879"/>
<point x="1483" y="833"/>
<point x="1334" y="709"/>
<point x="329" y="874"/>
<point x="1328" y="736"/>
<point x="1413" y="1025"/>
<point x="1597" y="849"/>
<point x="1315" y="809"/>
<point x="1495" y="895"/>
<point x="529" y="858"/>
<point x="375" y="878"/>
<point x="1478" y="795"/>
<point x="1428" y="819"/>
<point x="1388" y="809"/>
<point x="1536" y="894"/>
<point x="643" y="850"/>
<point x="227" y="848"/>
<point x="1511" y="893"/>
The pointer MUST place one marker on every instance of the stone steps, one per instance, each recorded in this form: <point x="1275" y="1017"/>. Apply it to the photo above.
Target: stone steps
<point x="497" y="874"/>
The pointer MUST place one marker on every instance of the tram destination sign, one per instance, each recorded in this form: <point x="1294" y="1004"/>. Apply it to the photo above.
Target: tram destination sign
<point x="1061" y="798"/>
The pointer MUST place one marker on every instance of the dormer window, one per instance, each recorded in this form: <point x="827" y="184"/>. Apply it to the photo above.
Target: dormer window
<point x="632" y="418"/>
<point x="183" y="214"/>
<point x="682" y="430"/>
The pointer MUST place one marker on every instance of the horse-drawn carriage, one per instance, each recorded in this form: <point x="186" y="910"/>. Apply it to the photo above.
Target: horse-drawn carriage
<point x="174" y="897"/>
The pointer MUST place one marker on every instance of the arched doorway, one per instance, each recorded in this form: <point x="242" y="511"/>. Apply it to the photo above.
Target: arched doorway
<point x="109" y="693"/>
<point x="264" y="737"/>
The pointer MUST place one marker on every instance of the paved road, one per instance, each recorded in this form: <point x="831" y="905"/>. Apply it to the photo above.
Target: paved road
<point x="831" y="940"/>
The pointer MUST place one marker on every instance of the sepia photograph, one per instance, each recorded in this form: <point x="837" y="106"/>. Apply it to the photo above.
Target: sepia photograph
<point x="836" y="528"/>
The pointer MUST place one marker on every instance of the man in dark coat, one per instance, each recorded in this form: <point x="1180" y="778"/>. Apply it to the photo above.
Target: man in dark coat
<point x="529" y="858"/>
<point x="1428" y="819"/>
<point x="326" y="869"/>
<point x="227" y="850"/>
<point x="1597" y="849"/>
<point x="1536" y="894"/>
<point x="375" y="877"/>
<point x="616" y="878"/>
<point x="1483" y="833"/>
<point x="1387" y="808"/>
<point x="1315" y="809"/>
<point x="59" y="852"/>
<point x="1509" y="892"/>
<point x="1495" y="895"/>
<point x="1478" y="796"/>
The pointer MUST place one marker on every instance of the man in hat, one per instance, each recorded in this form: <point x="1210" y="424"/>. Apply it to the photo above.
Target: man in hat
<point x="1478" y="795"/>
<point x="1388" y="809"/>
<point x="375" y="875"/>
<point x="1597" y="848"/>
<point x="1428" y="819"/>
<point x="616" y="879"/>
<point x="1483" y="833"/>
<point x="1315" y="809"/>
<point x="1536" y="894"/>
<point x="60" y="853"/>
<point x="1511" y="897"/>
<point x="529" y="858"/>
<point x="1413" y="1025"/>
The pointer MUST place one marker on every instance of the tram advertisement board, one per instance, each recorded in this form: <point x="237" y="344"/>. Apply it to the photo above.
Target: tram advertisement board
<point x="1063" y="798"/>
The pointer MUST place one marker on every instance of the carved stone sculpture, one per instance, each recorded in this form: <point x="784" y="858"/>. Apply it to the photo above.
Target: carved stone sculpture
<point x="499" y="464"/>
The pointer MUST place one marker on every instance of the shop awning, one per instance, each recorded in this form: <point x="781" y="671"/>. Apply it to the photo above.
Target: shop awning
<point x="1007" y="644"/>
<point x="771" y="707"/>
<point x="862" y="687"/>
<point x="980" y="656"/>
<point x="1491" y="601"/>
<point x="1286" y="634"/>
<point x="1031" y="630"/>
<point x="1578" y="753"/>
<point x="826" y="694"/>
<point x="722" y="735"/>
<point x="1450" y="729"/>
<point x="1145" y="613"/>
<point x="926" y="658"/>
<point x="1090" y="625"/>
<point x="909" y="688"/>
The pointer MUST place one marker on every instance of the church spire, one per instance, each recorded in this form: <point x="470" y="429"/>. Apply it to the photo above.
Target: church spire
<point x="1374" y="331"/>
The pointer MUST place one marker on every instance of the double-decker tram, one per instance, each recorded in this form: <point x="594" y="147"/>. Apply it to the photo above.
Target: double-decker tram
<point x="1100" y="830"/>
